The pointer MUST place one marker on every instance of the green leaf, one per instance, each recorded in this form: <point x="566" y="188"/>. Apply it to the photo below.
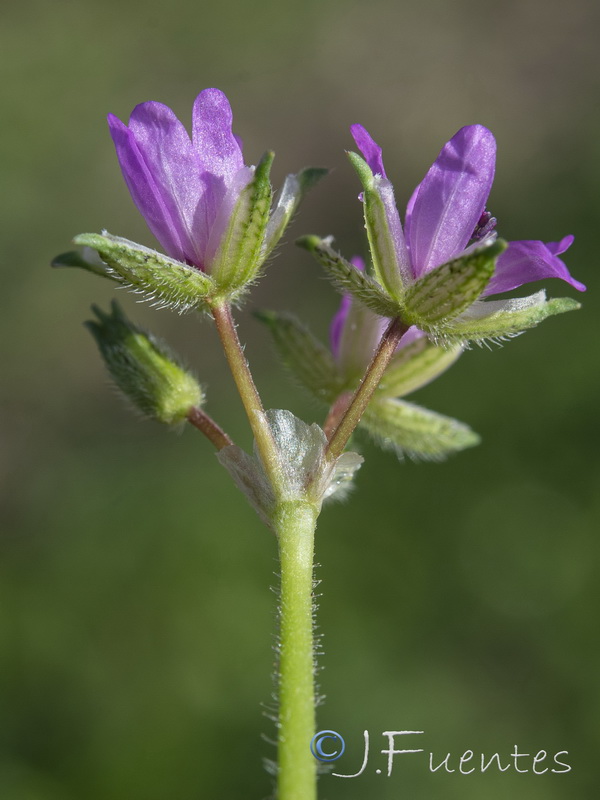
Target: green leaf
<point x="381" y="241"/>
<point x="348" y="279"/>
<point x="88" y="260"/>
<point x="446" y="291"/>
<point x="305" y="357"/>
<point x="292" y="193"/>
<point x="502" y="319"/>
<point x="170" y="282"/>
<point x="415" y="365"/>
<point x="239" y="255"/>
<point x="410" y="430"/>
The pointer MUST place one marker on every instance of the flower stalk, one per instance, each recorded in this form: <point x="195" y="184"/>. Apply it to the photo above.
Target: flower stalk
<point x="383" y="355"/>
<point x="206" y="425"/>
<point x="248" y="392"/>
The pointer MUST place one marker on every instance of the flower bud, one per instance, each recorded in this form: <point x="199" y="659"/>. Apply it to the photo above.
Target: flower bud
<point x="144" y="369"/>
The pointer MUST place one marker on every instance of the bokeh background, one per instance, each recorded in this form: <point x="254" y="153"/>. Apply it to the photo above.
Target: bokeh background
<point x="459" y="599"/>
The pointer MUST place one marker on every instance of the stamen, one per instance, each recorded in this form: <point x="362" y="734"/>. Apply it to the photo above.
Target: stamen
<point x="484" y="227"/>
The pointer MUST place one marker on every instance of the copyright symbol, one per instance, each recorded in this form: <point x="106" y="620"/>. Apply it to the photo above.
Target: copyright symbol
<point x="327" y="745"/>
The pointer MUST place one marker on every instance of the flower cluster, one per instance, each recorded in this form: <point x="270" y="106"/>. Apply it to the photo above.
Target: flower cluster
<point x="404" y="318"/>
<point x="215" y="220"/>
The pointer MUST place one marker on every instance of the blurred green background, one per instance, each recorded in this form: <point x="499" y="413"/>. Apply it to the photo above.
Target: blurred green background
<point x="459" y="599"/>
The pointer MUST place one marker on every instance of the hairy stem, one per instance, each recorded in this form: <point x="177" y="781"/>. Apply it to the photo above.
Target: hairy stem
<point x="206" y="425"/>
<point x="351" y="418"/>
<point x="248" y="392"/>
<point x="296" y="778"/>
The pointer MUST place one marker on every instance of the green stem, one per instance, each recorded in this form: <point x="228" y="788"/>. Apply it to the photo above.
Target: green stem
<point x="295" y="524"/>
<point x="248" y="392"/>
<point x="381" y="359"/>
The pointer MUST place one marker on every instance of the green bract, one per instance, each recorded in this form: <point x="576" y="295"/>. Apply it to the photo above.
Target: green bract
<point x="306" y="475"/>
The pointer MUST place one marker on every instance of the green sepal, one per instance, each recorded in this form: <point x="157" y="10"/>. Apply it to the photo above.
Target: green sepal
<point x="144" y="369"/>
<point x="89" y="260"/>
<point x="292" y="193"/>
<point x="414" y="431"/>
<point x="170" y="282"/>
<point x="348" y="279"/>
<point x="381" y="242"/>
<point x="415" y="365"/>
<point x="504" y="319"/>
<point x="445" y="292"/>
<point x="305" y="357"/>
<point x="239" y="255"/>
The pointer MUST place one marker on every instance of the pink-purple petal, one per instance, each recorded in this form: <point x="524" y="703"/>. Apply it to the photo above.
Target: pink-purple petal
<point x="239" y="182"/>
<point x="526" y="261"/>
<point x="448" y="203"/>
<point x="369" y="148"/>
<point x="167" y="150"/>
<point x="556" y="248"/>
<point x="218" y="150"/>
<point x="151" y="196"/>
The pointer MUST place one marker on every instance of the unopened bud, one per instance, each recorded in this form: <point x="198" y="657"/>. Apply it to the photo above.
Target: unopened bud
<point x="144" y="369"/>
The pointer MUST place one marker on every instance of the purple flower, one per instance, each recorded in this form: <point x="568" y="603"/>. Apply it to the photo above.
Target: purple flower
<point x="447" y="212"/>
<point x="186" y="189"/>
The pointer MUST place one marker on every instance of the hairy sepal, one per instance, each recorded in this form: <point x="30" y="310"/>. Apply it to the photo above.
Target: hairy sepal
<point x="239" y="256"/>
<point x="445" y="292"/>
<point x="415" y="366"/>
<point x="292" y="193"/>
<point x="414" y="431"/>
<point x="349" y="280"/>
<point x="381" y="241"/>
<point x="497" y="320"/>
<point x="86" y="259"/>
<point x="304" y="356"/>
<point x="171" y="283"/>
